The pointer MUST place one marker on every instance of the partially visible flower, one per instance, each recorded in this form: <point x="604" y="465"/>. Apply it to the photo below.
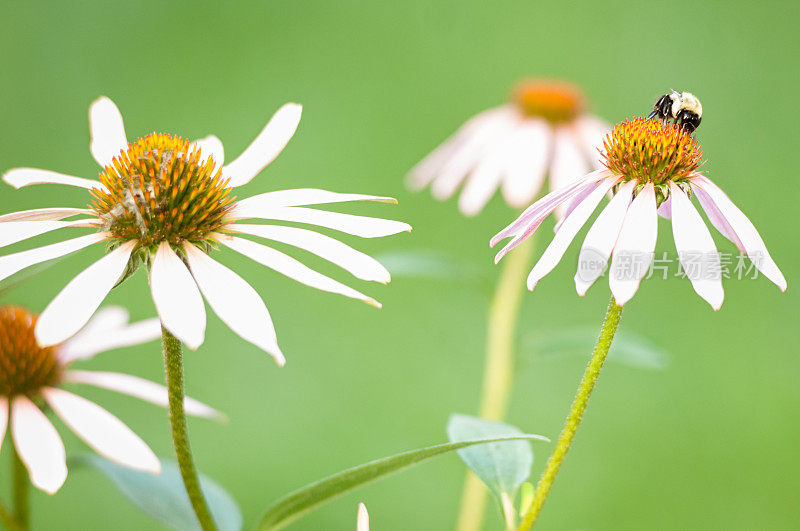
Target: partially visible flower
<point x="31" y="379"/>
<point x="362" y="520"/>
<point x="651" y="166"/>
<point x="166" y="202"/>
<point x="545" y="130"/>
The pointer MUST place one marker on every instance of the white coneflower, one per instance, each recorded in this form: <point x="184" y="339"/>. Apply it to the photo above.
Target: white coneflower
<point x="545" y="130"/>
<point x="165" y="202"/>
<point x="651" y="166"/>
<point x="31" y="378"/>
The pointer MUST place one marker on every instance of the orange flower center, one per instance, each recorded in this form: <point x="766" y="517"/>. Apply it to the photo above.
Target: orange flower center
<point x="161" y="189"/>
<point x="555" y="101"/>
<point x="25" y="367"/>
<point x="651" y="151"/>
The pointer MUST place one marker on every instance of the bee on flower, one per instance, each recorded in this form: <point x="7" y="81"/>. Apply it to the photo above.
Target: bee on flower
<point x="168" y="203"/>
<point x="544" y="131"/>
<point x="651" y="167"/>
<point x="32" y="380"/>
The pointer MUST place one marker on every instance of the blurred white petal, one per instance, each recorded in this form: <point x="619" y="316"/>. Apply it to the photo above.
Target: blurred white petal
<point x="83" y="345"/>
<point x="38" y="445"/>
<point x="526" y="167"/>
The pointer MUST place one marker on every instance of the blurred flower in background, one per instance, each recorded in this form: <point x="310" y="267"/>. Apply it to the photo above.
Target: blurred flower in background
<point x="653" y="167"/>
<point x="544" y="130"/>
<point x="31" y="378"/>
<point x="166" y="202"/>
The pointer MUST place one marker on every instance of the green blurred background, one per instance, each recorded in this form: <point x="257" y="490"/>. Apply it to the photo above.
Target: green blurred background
<point x="708" y="443"/>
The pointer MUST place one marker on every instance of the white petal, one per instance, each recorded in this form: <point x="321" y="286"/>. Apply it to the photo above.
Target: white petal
<point x="102" y="431"/>
<point x="13" y="263"/>
<point x="569" y="160"/>
<point x="141" y="389"/>
<point x="573" y="203"/>
<point x="362" y="520"/>
<point x="572" y="224"/>
<point x="601" y="238"/>
<point x="266" y="147"/>
<point x="108" y="131"/>
<point x="527" y="164"/>
<point x="301" y="197"/>
<point x="744" y="230"/>
<point x="357" y="263"/>
<point x="16" y="231"/>
<point x="717" y="218"/>
<point x="19" y="177"/>
<point x="38" y="444"/>
<point x="463" y="159"/>
<point x="485" y="178"/>
<point x="210" y="146"/>
<point x="693" y="241"/>
<point x="592" y="131"/>
<point x="83" y="345"/>
<point x="234" y="301"/>
<point x="425" y="171"/>
<point x="3" y="418"/>
<point x="363" y="226"/>
<point x="286" y="265"/>
<point x="74" y="306"/>
<point x="633" y="253"/>
<point x="44" y="214"/>
<point x="177" y="298"/>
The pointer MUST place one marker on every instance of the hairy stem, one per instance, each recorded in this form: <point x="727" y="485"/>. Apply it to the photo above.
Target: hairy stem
<point x="173" y="361"/>
<point x="585" y="388"/>
<point x="499" y="368"/>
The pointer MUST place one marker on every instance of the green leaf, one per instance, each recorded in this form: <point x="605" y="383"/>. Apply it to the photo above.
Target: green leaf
<point x="627" y="348"/>
<point x="502" y="466"/>
<point x="306" y="499"/>
<point x="428" y="264"/>
<point x="164" y="496"/>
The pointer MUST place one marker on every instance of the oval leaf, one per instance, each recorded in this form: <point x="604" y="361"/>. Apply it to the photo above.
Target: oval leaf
<point x="502" y="466"/>
<point x="164" y="496"/>
<point x="297" y="503"/>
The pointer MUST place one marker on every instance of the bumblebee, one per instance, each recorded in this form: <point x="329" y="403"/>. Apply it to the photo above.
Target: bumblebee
<point x="682" y="107"/>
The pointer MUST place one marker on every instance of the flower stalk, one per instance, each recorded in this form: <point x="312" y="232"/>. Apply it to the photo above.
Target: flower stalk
<point x="21" y="492"/>
<point x="585" y="389"/>
<point x="498" y="371"/>
<point x="173" y="362"/>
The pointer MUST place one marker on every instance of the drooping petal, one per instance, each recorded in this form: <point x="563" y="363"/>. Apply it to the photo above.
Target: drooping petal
<point x="178" y="301"/>
<point x="298" y="197"/>
<point x="744" y="230"/>
<point x="363" y="226"/>
<point x="266" y="147"/>
<point x="3" y="418"/>
<point x="696" y="249"/>
<point x="286" y="265"/>
<point x="425" y="171"/>
<point x="210" y="146"/>
<point x="484" y="179"/>
<point x="139" y="388"/>
<point x="234" y="301"/>
<point x="44" y="214"/>
<point x="19" y="177"/>
<point x="83" y="346"/>
<point x="572" y="204"/>
<point x="108" y="131"/>
<point x="464" y="158"/>
<point x="74" y="305"/>
<point x="16" y="262"/>
<point x="362" y="520"/>
<point x="38" y="444"/>
<point x="572" y="224"/>
<point x="102" y="431"/>
<point x="569" y="160"/>
<point x="633" y="252"/>
<point x="526" y="167"/>
<point x="544" y="206"/>
<point x="717" y="218"/>
<point x="357" y="263"/>
<point x="601" y="238"/>
<point x="16" y="231"/>
<point x="591" y="131"/>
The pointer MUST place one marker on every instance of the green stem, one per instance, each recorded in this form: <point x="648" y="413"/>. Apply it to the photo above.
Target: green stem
<point x="599" y="354"/>
<point x="21" y="491"/>
<point x="8" y="519"/>
<point x="499" y="368"/>
<point x="173" y="361"/>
